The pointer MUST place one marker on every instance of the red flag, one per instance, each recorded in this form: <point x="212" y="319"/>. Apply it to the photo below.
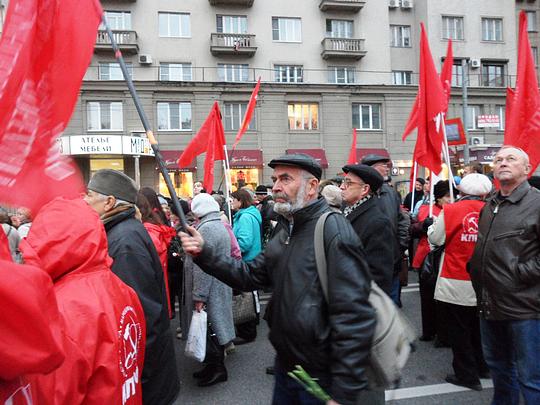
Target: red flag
<point x="446" y="80"/>
<point x="432" y="102"/>
<point x="353" y="159"/>
<point x="523" y="117"/>
<point x="249" y="113"/>
<point x="510" y="94"/>
<point x="209" y="139"/>
<point x="45" y="50"/>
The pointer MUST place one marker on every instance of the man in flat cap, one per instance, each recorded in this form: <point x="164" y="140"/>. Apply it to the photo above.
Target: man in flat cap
<point x="358" y="189"/>
<point x="330" y="340"/>
<point x="112" y="195"/>
<point x="390" y="204"/>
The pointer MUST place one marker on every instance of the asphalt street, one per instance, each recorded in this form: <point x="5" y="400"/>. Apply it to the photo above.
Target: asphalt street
<point x="423" y="381"/>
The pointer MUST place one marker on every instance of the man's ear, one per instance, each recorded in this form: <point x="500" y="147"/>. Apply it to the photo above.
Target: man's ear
<point x="109" y="204"/>
<point x="313" y="186"/>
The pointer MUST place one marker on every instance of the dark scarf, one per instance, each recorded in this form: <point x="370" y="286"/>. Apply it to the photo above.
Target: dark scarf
<point x="116" y="212"/>
<point x="357" y="204"/>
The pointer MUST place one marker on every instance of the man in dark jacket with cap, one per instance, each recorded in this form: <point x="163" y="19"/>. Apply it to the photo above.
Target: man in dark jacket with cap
<point x="358" y="188"/>
<point x="390" y="204"/>
<point x="112" y="194"/>
<point x="266" y="208"/>
<point x="331" y="341"/>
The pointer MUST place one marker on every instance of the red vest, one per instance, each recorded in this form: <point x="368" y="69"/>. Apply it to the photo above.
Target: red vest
<point x="461" y="225"/>
<point x="422" y="249"/>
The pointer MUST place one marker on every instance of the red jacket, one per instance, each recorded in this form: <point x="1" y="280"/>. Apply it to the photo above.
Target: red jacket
<point x="32" y="329"/>
<point x="161" y="235"/>
<point x="423" y="245"/>
<point x="104" y="319"/>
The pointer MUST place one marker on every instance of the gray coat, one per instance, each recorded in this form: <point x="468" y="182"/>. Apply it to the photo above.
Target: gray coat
<point x="199" y="286"/>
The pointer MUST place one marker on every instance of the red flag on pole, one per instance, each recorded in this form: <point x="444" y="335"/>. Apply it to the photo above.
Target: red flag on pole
<point x="446" y="80"/>
<point x="432" y="102"/>
<point x="45" y="50"/>
<point x="249" y="113"/>
<point x="352" y="154"/>
<point x="209" y="139"/>
<point x="523" y="116"/>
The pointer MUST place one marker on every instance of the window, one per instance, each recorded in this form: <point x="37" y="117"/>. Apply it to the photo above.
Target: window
<point x="341" y="74"/>
<point x="174" y="116"/>
<point x="303" y="117"/>
<point x="473" y="111"/>
<point x="286" y="29"/>
<point x="232" y="73"/>
<point x="105" y="116"/>
<point x="457" y="74"/>
<point x="452" y="28"/>
<point x="175" y="72"/>
<point x="501" y="112"/>
<point x="233" y="115"/>
<point x="400" y="36"/>
<point x="231" y="24"/>
<point x="534" y="50"/>
<point x="492" y="75"/>
<point x="401" y="77"/>
<point x="111" y="71"/>
<point x="288" y="73"/>
<point x="118" y="20"/>
<point x="492" y="29"/>
<point x="174" y="25"/>
<point x="366" y="116"/>
<point x="531" y="20"/>
<point x="339" y="28"/>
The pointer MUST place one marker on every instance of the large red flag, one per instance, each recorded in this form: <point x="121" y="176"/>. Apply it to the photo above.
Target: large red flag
<point x="523" y="117"/>
<point x="353" y="159"/>
<point x="446" y="80"/>
<point x="432" y="103"/>
<point x="45" y="50"/>
<point x="249" y="113"/>
<point x="209" y="139"/>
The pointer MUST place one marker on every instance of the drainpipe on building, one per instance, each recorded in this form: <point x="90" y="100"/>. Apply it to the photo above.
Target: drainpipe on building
<point x="464" y="66"/>
<point x="137" y="170"/>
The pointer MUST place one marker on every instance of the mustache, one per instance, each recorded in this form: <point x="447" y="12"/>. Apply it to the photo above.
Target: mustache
<point x="281" y="196"/>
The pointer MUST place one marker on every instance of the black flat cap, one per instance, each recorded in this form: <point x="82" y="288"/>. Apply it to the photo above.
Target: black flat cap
<point x="115" y="183"/>
<point x="373" y="158"/>
<point x="368" y="175"/>
<point x="300" y="160"/>
<point x="261" y="190"/>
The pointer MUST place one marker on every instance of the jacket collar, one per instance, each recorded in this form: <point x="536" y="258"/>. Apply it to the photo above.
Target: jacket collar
<point x="211" y="216"/>
<point x="312" y="211"/>
<point x="121" y="216"/>
<point x="516" y="195"/>
<point x="369" y="204"/>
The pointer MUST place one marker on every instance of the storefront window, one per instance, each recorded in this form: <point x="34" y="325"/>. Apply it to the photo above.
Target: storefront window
<point x="244" y="177"/>
<point x="182" y="182"/>
<point x="106" y="163"/>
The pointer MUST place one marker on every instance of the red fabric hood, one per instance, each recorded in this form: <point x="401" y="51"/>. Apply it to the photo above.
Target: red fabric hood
<point x="66" y="236"/>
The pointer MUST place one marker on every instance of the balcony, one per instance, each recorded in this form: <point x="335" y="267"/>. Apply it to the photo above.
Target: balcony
<point x="343" y="48"/>
<point x="126" y="40"/>
<point x="244" y="3"/>
<point x="232" y="44"/>
<point x="353" y="6"/>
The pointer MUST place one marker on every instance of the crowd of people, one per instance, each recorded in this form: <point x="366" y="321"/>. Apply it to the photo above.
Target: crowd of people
<point x="120" y="263"/>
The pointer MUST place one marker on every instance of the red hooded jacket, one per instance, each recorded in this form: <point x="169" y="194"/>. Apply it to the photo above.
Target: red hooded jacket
<point x="103" y="316"/>
<point x="32" y="329"/>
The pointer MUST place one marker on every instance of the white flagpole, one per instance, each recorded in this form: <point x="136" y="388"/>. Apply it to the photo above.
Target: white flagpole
<point x="431" y="188"/>
<point x="415" y="173"/>
<point x="227" y="182"/>
<point x="446" y="153"/>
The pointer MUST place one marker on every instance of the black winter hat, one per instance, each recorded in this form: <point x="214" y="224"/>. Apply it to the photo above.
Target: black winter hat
<point x="421" y="180"/>
<point x="300" y="160"/>
<point x="441" y="189"/>
<point x="373" y="158"/>
<point x="261" y="190"/>
<point x="368" y="174"/>
<point x="115" y="183"/>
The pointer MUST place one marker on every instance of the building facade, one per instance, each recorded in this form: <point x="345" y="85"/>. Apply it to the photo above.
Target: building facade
<point x="326" y="66"/>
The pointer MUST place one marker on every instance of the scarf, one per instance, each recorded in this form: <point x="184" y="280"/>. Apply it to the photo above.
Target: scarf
<point x="357" y="204"/>
<point x="110" y="215"/>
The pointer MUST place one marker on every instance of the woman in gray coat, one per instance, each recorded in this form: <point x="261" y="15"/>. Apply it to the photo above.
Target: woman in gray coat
<point x="201" y="289"/>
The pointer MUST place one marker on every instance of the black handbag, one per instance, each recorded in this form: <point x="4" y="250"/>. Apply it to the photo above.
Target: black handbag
<point x="243" y="308"/>
<point x="430" y="267"/>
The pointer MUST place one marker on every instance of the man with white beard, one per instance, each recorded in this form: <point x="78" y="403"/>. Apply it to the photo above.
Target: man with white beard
<point x="331" y="341"/>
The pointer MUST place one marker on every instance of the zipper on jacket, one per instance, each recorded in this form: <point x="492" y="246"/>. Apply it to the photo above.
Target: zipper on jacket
<point x="291" y="224"/>
<point x="484" y="301"/>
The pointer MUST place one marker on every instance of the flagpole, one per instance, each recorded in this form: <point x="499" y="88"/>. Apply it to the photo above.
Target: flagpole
<point x="226" y="169"/>
<point x="146" y="125"/>
<point x="431" y="192"/>
<point x="415" y="172"/>
<point x="447" y="158"/>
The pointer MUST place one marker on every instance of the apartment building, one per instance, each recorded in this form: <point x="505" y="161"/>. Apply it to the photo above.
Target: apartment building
<point x="327" y="66"/>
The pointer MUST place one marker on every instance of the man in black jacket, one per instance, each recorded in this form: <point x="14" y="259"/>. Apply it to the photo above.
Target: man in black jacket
<point x="331" y="341"/>
<point x="505" y="272"/>
<point x="135" y="260"/>
<point x="266" y="208"/>
<point x="358" y="189"/>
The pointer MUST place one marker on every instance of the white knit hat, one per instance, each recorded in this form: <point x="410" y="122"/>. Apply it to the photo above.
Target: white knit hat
<point x="332" y="194"/>
<point x="475" y="184"/>
<point x="203" y="204"/>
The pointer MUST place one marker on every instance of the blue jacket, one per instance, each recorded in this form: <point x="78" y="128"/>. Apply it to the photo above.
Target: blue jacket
<point x="247" y="229"/>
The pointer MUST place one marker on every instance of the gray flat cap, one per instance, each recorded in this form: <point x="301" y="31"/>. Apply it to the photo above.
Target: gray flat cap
<point x="115" y="183"/>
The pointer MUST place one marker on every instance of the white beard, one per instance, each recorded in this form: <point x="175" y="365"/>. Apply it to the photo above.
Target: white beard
<point x="290" y="207"/>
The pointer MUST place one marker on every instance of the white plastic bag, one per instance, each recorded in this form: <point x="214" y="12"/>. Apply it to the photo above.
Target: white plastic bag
<point x="196" y="341"/>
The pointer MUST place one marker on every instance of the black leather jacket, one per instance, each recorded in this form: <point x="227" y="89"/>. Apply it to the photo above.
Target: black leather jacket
<point x="325" y="339"/>
<point x="505" y="266"/>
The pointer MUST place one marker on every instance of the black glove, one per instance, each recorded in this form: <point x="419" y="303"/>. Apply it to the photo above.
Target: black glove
<point x="427" y="223"/>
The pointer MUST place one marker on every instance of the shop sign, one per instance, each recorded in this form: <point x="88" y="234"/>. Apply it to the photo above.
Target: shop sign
<point x="488" y="121"/>
<point x="134" y="145"/>
<point x="95" y="144"/>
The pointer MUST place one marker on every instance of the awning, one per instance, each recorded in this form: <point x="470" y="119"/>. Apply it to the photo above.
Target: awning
<point x="317" y="154"/>
<point x="246" y="159"/>
<point x="361" y="152"/>
<point x="171" y="161"/>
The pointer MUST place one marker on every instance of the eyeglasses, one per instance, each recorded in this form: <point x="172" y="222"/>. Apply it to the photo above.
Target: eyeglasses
<point x="348" y="182"/>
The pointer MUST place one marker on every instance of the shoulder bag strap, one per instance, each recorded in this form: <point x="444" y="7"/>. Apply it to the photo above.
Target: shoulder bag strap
<point x="320" y="253"/>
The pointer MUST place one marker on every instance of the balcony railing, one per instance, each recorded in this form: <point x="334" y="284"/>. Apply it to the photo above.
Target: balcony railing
<point x="126" y="40"/>
<point x="342" y="5"/>
<point x="232" y="44"/>
<point x="345" y="48"/>
<point x="245" y="3"/>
